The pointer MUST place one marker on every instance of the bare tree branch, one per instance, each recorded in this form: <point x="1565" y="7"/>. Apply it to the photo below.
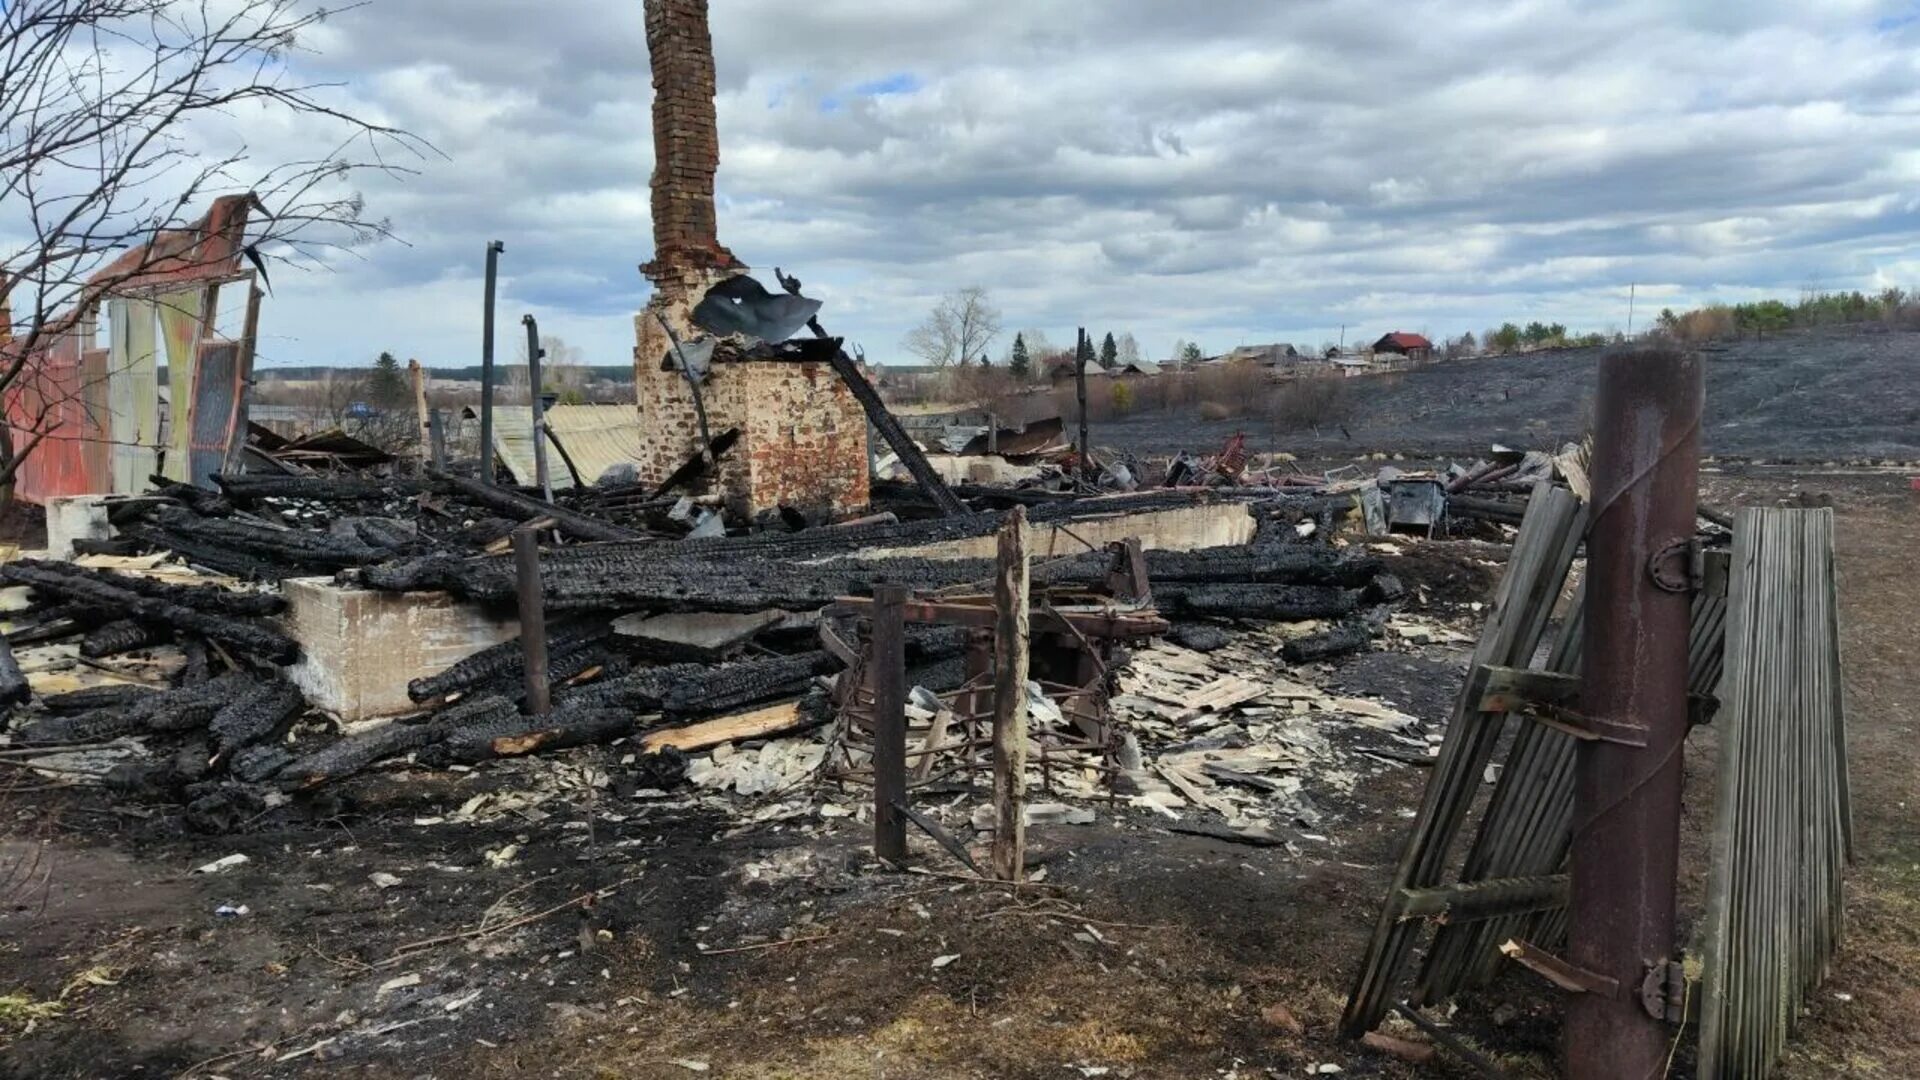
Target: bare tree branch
<point x="110" y="121"/>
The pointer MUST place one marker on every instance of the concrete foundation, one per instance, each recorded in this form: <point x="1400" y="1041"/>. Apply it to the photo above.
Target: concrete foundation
<point x="359" y="648"/>
<point x="1183" y="528"/>
<point x="76" y="517"/>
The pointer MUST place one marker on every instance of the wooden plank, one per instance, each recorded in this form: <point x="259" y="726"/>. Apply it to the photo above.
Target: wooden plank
<point x="1098" y="624"/>
<point x="1010" y="581"/>
<point x="756" y="724"/>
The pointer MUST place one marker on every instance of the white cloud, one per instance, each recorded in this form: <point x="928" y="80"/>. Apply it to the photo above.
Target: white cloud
<point x="1234" y="171"/>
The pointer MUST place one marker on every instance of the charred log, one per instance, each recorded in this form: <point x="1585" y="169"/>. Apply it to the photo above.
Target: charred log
<point x="1256" y="601"/>
<point x="259" y="714"/>
<point x="356" y="752"/>
<point x="261" y="761"/>
<point x="209" y="598"/>
<point x="1349" y="636"/>
<point x="13" y="683"/>
<point x="197" y="499"/>
<point x="120" y="636"/>
<point x="111" y="696"/>
<point x="1200" y="637"/>
<point x="502" y="664"/>
<point x="251" y="636"/>
<point x="290" y="551"/>
<point x="184" y="709"/>
<point x="252" y="487"/>
<point x="523" y="508"/>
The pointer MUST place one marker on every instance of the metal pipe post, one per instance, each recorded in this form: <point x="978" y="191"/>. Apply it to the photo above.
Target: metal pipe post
<point x="887" y="677"/>
<point x="1626" y="820"/>
<point x="494" y="248"/>
<point x="1081" y="346"/>
<point x="536" y="410"/>
<point x="533" y="619"/>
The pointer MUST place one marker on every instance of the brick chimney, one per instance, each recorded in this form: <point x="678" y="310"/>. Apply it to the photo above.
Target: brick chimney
<point x="686" y="144"/>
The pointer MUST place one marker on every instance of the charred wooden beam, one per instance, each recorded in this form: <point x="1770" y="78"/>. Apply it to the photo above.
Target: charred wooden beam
<point x="13" y="684"/>
<point x="252" y="487"/>
<point x="498" y="667"/>
<point x="356" y="752"/>
<point x="121" y="636"/>
<point x="1256" y="601"/>
<point x="257" y="715"/>
<point x="183" y="709"/>
<point x="521" y="508"/>
<point x="95" y="698"/>
<point x="209" y="598"/>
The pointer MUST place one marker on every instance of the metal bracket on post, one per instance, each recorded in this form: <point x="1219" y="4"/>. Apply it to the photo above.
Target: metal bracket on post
<point x="1690" y="575"/>
<point x="1569" y="977"/>
<point x="1547" y="698"/>
<point x="1663" y="991"/>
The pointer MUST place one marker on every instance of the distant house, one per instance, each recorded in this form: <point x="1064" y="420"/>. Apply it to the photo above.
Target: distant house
<point x="1274" y="355"/>
<point x="1412" y="346"/>
<point x="1063" y="372"/>
<point x="1136" y="369"/>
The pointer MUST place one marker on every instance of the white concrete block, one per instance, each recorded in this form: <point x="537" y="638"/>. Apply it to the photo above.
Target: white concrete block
<point x="359" y="647"/>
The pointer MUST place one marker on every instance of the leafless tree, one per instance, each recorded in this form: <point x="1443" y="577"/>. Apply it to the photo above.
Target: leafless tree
<point x="561" y="371"/>
<point x="112" y="115"/>
<point x="958" y="330"/>
<point x="1126" y="349"/>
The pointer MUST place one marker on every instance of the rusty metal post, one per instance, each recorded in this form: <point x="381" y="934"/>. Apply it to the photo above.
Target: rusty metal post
<point x="533" y="619"/>
<point x="1081" y="346"/>
<point x="887" y="676"/>
<point x="494" y="248"/>
<point x="1626" y="821"/>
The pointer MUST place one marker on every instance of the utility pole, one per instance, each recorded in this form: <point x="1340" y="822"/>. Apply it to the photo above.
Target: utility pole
<point x="1626" y="817"/>
<point x="1632" y="287"/>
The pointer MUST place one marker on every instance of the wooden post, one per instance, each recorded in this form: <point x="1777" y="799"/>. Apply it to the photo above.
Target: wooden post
<point x="1010" y="699"/>
<point x="418" y="376"/>
<point x="249" y="341"/>
<point x="887" y="675"/>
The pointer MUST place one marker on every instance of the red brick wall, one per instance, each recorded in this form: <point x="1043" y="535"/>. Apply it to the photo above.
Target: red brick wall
<point x="803" y="437"/>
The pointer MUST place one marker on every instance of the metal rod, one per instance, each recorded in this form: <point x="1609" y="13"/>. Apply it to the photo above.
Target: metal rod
<point x="494" y="248"/>
<point x="693" y="385"/>
<point x="1626" y="818"/>
<point x="533" y="619"/>
<point x="538" y="434"/>
<point x="887" y="672"/>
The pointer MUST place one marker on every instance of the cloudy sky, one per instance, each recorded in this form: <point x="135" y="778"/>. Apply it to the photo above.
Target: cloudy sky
<point x="1231" y="171"/>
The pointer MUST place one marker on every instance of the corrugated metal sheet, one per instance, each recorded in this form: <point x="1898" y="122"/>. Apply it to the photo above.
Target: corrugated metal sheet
<point x="217" y="409"/>
<point x="596" y="437"/>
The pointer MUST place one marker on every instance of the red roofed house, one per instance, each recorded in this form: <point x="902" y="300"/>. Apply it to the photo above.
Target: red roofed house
<point x="1412" y="346"/>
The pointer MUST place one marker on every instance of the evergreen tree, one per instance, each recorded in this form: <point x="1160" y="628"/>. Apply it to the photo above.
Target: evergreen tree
<point x="1109" y="352"/>
<point x="1020" y="363"/>
<point x="1190" y="353"/>
<point x="387" y="386"/>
